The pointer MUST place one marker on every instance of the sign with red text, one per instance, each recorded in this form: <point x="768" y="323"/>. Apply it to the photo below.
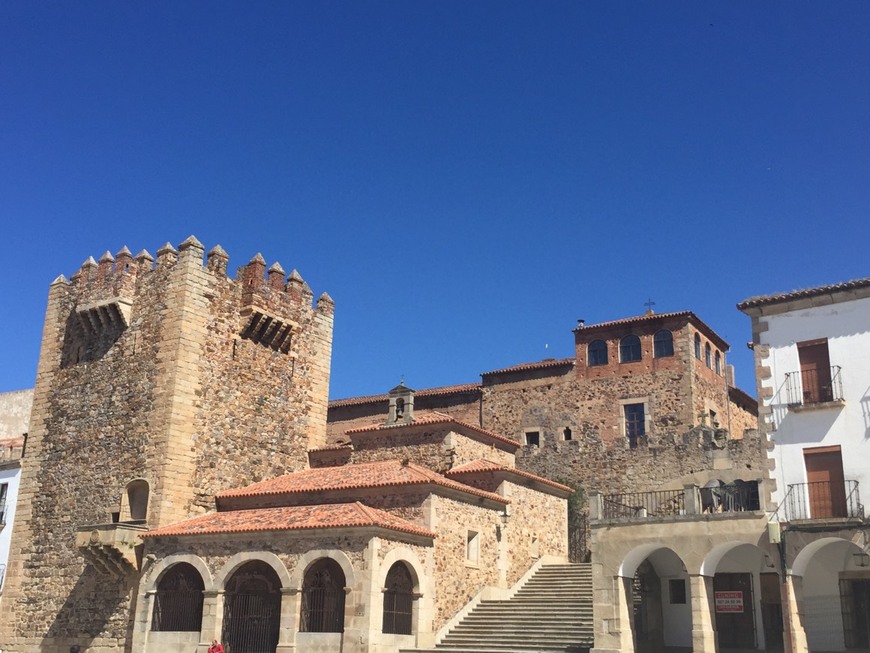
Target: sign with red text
<point x="729" y="601"/>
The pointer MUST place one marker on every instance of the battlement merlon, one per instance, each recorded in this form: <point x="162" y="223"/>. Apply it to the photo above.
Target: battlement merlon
<point x="115" y="277"/>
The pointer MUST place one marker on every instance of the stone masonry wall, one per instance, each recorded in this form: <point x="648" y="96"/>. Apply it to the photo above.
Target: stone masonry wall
<point x="459" y="579"/>
<point x="167" y="394"/>
<point x="538" y="526"/>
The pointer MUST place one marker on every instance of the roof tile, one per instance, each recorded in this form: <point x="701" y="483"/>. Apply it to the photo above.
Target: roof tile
<point x="292" y="518"/>
<point x="435" y="417"/>
<point x="386" y="473"/>
<point x="763" y="300"/>
<point x="482" y="465"/>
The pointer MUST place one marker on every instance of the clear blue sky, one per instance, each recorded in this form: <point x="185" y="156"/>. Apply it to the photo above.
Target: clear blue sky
<point x="466" y="179"/>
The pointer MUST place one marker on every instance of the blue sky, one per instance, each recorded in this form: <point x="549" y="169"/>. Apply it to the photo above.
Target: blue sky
<point x="466" y="179"/>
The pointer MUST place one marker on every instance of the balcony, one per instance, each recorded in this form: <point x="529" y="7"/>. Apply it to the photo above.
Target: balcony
<point x="815" y="388"/>
<point x="114" y="548"/>
<point x="821" y="500"/>
<point x="713" y="499"/>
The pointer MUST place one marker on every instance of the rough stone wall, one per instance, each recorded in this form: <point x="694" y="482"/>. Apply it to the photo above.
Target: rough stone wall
<point x="697" y="456"/>
<point x="151" y="397"/>
<point x="538" y="526"/>
<point x="425" y="446"/>
<point x="465" y="450"/>
<point x="458" y="579"/>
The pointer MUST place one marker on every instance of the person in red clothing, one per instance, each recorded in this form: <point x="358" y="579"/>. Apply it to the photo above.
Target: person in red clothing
<point x="216" y="647"/>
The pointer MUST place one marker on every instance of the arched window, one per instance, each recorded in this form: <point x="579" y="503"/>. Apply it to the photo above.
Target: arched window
<point x="252" y="608"/>
<point x="178" y="600"/>
<point x="697" y="346"/>
<point x="629" y="349"/>
<point x="663" y="344"/>
<point x="398" y="600"/>
<point x="718" y="363"/>
<point x="708" y="356"/>
<point x="137" y="499"/>
<point x="596" y="353"/>
<point x="323" y="598"/>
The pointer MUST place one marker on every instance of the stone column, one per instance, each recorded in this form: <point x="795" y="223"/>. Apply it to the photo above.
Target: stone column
<point x="795" y="637"/>
<point x="704" y="638"/>
<point x="212" y="619"/>
<point x="289" y="619"/>
<point x="612" y="614"/>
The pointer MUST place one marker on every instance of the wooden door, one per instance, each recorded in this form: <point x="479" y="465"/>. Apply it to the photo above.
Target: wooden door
<point x="825" y="483"/>
<point x="735" y="613"/>
<point x="815" y="371"/>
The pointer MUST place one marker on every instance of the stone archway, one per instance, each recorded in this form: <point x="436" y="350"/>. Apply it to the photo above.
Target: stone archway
<point x="658" y="599"/>
<point x="832" y="582"/>
<point x="252" y="609"/>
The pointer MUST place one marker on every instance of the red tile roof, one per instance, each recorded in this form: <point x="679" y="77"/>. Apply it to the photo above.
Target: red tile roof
<point x="293" y="518"/>
<point x="386" y="473"/>
<point x="333" y="447"/>
<point x="481" y="465"/>
<point x="430" y="392"/>
<point x="652" y="317"/>
<point x="538" y="365"/>
<point x="764" y="300"/>
<point x="435" y="417"/>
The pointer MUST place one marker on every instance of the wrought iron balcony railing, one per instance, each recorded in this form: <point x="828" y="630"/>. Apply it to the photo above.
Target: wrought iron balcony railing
<point x="821" y="500"/>
<point x="814" y="386"/>
<point x="739" y="496"/>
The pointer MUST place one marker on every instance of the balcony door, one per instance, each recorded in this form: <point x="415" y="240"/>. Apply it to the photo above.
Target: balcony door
<point x="825" y="482"/>
<point x="815" y="371"/>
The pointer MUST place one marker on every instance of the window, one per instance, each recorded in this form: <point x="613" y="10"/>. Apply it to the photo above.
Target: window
<point x="718" y="363"/>
<point x="629" y="349"/>
<point x="697" y="346"/>
<point x="323" y="598"/>
<point x="635" y="423"/>
<point x="677" y="591"/>
<point x="663" y="344"/>
<point x="532" y="438"/>
<point x="472" y="547"/>
<point x="816" y="377"/>
<point x="137" y="499"/>
<point x="398" y="600"/>
<point x="708" y="357"/>
<point x="566" y="434"/>
<point x="596" y="353"/>
<point x="178" y="600"/>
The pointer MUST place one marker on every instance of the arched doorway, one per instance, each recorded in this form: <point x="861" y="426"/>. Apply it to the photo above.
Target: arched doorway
<point x="835" y="583"/>
<point x="323" y="598"/>
<point x="398" y="600"/>
<point x="178" y="600"/>
<point x="252" y="609"/>
<point x="658" y="599"/>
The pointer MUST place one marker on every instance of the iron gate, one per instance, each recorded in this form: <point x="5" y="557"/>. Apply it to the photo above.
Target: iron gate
<point x="251" y="621"/>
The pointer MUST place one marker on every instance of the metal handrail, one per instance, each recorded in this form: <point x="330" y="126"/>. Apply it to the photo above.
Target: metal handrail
<point x="821" y="500"/>
<point x="806" y="387"/>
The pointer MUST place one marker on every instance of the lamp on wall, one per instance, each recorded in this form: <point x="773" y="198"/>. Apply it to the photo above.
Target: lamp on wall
<point x="861" y="559"/>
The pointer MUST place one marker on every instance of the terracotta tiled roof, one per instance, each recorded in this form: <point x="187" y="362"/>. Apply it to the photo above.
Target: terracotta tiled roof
<point x="430" y="392"/>
<point x="386" y="473"/>
<point x="333" y="447"/>
<point x="538" y="365"/>
<point x="17" y="441"/>
<point x="435" y="417"/>
<point x="481" y="465"/>
<point x="294" y="518"/>
<point x="652" y="317"/>
<point x="764" y="300"/>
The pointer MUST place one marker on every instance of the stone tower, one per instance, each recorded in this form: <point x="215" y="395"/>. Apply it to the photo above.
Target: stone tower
<point x="158" y="386"/>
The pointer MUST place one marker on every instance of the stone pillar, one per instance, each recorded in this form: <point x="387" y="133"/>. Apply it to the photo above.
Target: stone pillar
<point x="795" y="637"/>
<point x="212" y="619"/>
<point x="704" y="638"/>
<point x="596" y="505"/>
<point x="289" y="619"/>
<point x="612" y="613"/>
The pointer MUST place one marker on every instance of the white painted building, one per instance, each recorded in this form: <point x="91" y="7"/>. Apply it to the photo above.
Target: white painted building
<point x="812" y="354"/>
<point x="14" y="419"/>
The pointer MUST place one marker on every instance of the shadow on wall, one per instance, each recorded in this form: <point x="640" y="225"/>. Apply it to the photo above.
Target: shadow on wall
<point x="90" y="610"/>
<point x="865" y="412"/>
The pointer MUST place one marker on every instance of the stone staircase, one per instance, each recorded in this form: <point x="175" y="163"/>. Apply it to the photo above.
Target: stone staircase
<point x="551" y="613"/>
